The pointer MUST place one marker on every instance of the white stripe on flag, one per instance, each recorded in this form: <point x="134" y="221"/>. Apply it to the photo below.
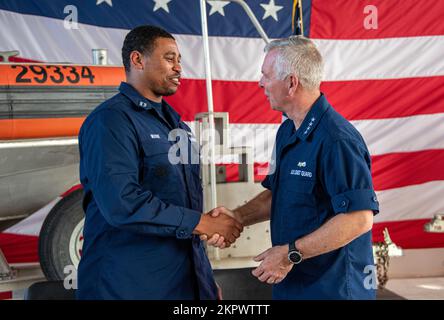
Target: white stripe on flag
<point x="46" y="39"/>
<point x="406" y="134"/>
<point x="413" y="202"/>
<point x="407" y="57"/>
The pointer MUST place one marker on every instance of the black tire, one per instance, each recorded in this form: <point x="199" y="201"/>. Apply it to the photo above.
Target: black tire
<point x="55" y="235"/>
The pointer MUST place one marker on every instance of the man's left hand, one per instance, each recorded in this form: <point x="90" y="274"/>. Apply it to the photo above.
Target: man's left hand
<point x="275" y="265"/>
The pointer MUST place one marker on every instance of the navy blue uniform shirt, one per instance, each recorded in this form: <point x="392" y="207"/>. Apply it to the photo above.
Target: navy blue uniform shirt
<point x="140" y="208"/>
<point x="321" y="169"/>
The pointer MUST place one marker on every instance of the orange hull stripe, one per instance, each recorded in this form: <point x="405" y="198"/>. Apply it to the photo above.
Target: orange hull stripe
<point x="35" y="74"/>
<point x="39" y="128"/>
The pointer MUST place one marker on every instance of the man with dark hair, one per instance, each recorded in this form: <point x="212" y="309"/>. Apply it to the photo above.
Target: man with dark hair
<point x="144" y="213"/>
<point x="141" y="39"/>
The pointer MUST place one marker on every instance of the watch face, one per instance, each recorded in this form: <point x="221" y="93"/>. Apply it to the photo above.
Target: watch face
<point x="295" y="257"/>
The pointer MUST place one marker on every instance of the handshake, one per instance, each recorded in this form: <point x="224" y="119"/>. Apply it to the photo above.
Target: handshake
<point x="220" y="227"/>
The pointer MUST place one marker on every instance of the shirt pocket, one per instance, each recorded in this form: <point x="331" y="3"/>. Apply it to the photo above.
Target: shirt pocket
<point x="298" y="210"/>
<point x="299" y="191"/>
<point x="159" y="175"/>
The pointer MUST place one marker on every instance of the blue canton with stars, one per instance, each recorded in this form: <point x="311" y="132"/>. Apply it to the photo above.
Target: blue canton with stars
<point x="177" y="16"/>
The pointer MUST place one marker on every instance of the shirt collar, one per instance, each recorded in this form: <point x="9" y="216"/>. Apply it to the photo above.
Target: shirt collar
<point x="171" y="110"/>
<point x="312" y="118"/>
<point x="131" y="93"/>
<point x="142" y="102"/>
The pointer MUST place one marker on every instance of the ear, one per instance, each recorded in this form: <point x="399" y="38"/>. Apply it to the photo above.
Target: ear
<point x="136" y="59"/>
<point x="292" y="84"/>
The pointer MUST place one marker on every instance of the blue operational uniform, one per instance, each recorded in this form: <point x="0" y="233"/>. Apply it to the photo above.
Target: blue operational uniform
<point x="320" y="170"/>
<point x="141" y="209"/>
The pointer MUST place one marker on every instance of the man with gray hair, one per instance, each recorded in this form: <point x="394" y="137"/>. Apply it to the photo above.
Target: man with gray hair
<point x="320" y="198"/>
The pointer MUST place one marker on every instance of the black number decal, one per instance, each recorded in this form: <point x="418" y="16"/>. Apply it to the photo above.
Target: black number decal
<point x="19" y="78"/>
<point x="39" y="71"/>
<point x="57" y="72"/>
<point x="72" y="71"/>
<point x="86" y="73"/>
<point x="41" y="74"/>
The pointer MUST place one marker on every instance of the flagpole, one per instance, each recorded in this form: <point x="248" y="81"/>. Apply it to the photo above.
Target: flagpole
<point x="253" y="19"/>
<point x="203" y="11"/>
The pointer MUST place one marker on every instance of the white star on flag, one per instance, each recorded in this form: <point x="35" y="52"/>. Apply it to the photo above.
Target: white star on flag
<point x="217" y="6"/>
<point x="271" y="10"/>
<point x="108" y="2"/>
<point x="161" y="4"/>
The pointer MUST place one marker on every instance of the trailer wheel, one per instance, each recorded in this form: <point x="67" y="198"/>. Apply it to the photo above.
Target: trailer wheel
<point x="61" y="236"/>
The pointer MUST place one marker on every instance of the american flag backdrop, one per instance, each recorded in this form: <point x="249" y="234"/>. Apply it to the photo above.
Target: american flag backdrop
<point x="384" y="71"/>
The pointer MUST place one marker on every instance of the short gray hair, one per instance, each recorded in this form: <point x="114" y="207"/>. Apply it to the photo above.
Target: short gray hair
<point x="298" y="55"/>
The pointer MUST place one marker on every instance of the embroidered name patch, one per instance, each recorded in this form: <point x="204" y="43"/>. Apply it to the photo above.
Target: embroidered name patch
<point x="301" y="173"/>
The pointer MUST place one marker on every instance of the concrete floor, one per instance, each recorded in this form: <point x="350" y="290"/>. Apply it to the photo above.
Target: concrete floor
<point x="238" y="284"/>
<point x="418" y="288"/>
<point x="396" y="289"/>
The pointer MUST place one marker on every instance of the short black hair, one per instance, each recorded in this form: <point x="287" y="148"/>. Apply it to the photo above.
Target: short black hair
<point x="141" y="39"/>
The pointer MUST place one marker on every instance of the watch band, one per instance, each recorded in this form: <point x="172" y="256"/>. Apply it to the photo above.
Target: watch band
<point x="294" y="255"/>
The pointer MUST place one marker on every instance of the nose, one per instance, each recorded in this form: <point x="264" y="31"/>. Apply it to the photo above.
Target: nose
<point x="177" y="67"/>
<point x="261" y="83"/>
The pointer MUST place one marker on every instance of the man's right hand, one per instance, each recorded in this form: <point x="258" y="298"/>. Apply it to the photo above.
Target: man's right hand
<point x="218" y="240"/>
<point x="223" y="225"/>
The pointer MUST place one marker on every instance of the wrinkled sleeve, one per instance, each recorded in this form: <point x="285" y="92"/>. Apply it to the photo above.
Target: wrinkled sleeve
<point x="267" y="182"/>
<point x="110" y="159"/>
<point x="346" y="176"/>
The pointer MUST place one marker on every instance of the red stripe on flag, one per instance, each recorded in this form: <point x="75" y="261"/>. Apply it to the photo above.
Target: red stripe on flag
<point x="408" y="234"/>
<point x="389" y="171"/>
<point x="397" y="170"/>
<point x="6" y="295"/>
<point x="232" y="171"/>
<point x="344" y="19"/>
<point x="19" y="248"/>
<point x="379" y="99"/>
<point x="18" y="59"/>
<point x="245" y="101"/>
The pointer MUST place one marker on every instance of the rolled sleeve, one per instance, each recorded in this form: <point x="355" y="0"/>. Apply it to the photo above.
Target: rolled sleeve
<point x="355" y="200"/>
<point x="266" y="183"/>
<point x="272" y="166"/>
<point x="346" y="175"/>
